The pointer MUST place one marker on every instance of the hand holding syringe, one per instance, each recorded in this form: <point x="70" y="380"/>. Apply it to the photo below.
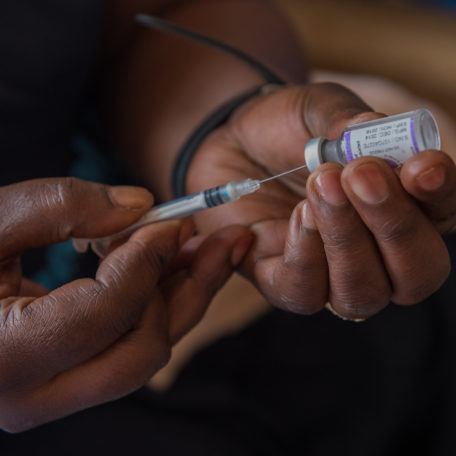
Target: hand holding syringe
<point x="394" y="139"/>
<point x="180" y="208"/>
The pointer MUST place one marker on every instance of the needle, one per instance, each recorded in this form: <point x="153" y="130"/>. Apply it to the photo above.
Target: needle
<point x="283" y="174"/>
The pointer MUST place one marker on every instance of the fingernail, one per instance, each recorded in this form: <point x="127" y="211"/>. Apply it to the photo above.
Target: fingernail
<point x="307" y="218"/>
<point x="133" y="198"/>
<point x="369" y="184"/>
<point x="432" y="179"/>
<point x="240" y="250"/>
<point x="329" y="187"/>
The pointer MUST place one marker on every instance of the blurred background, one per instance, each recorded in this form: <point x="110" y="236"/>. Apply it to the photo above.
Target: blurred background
<point x="410" y="42"/>
<point x="394" y="53"/>
<point x="398" y="55"/>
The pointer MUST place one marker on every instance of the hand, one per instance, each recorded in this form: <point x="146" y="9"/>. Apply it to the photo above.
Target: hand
<point x="92" y="341"/>
<point x="363" y="237"/>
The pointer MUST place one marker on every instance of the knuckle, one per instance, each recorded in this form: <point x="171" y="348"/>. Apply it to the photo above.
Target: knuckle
<point x="66" y="191"/>
<point x="63" y="196"/>
<point x="338" y="240"/>
<point x="397" y="229"/>
<point x="357" y="296"/>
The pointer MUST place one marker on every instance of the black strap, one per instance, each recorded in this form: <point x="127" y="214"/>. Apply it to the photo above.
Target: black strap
<point x="165" y="26"/>
<point x="222" y="114"/>
<point x="212" y="122"/>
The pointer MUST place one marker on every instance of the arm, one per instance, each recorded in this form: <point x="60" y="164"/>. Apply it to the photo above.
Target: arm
<point x="80" y="345"/>
<point x="167" y="85"/>
<point x="343" y="244"/>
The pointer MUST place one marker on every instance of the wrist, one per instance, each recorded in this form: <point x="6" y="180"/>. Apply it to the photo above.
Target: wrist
<point x="211" y="126"/>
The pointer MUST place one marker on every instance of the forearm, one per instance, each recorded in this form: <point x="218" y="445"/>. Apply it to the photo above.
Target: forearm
<point x="167" y="85"/>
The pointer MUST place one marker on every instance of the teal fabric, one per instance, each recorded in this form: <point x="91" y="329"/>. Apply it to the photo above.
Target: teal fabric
<point x="61" y="261"/>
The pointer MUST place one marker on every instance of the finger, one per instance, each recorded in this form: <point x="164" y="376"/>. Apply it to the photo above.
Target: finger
<point x="187" y="253"/>
<point x="359" y="286"/>
<point x="296" y="280"/>
<point x="118" y="371"/>
<point x="40" y="212"/>
<point x="430" y="178"/>
<point x="82" y="319"/>
<point x="413" y="252"/>
<point x="299" y="113"/>
<point x="212" y="265"/>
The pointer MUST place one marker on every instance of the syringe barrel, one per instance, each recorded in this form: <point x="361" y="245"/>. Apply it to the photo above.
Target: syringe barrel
<point x="179" y="208"/>
<point x="394" y="139"/>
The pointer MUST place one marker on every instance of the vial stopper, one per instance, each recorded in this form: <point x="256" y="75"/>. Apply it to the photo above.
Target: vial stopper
<point x="312" y="153"/>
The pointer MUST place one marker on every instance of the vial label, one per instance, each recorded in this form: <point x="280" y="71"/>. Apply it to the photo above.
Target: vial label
<point x="393" y="141"/>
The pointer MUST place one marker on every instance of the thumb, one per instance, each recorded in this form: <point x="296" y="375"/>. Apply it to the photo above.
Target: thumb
<point x="46" y="211"/>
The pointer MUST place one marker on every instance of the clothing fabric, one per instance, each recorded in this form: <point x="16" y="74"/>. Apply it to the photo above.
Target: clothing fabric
<point x="47" y="51"/>
<point x="287" y="385"/>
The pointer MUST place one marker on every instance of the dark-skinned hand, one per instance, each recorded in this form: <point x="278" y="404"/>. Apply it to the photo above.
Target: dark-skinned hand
<point x="358" y="237"/>
<point x="95" y="340"/>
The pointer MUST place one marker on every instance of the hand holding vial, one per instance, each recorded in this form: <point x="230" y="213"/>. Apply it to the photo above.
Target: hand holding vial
<point x="359" y="236"/>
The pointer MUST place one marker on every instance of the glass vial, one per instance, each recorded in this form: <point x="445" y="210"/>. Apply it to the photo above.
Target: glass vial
<point x="394" y="139"/>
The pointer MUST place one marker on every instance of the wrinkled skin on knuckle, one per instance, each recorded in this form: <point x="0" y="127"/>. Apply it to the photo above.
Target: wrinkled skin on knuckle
<point x="398" y="229"/>
<point x="360" y="295"/>
<point x="69" y="195"/>
<point x="337" y="241"/>
<point x="63" y="193"/>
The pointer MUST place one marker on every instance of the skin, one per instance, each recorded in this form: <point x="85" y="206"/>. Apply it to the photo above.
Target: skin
<point x="357" y="258"/>
<point x="95" y="340"/>
<point x="326" y="237"/>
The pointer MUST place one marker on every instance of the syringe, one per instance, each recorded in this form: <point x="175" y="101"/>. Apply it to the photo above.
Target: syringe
<point x="180" y="208"/>
<point x="394" y="139"/>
